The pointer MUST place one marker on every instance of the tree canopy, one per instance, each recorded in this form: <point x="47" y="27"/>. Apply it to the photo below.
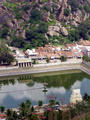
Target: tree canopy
<point x="5" y="55"/>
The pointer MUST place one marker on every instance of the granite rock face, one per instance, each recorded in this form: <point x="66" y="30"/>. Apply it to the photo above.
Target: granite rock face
<point x="50" y="11"/>
<point x="56" y="29"/>
<point x="64" y="31"/>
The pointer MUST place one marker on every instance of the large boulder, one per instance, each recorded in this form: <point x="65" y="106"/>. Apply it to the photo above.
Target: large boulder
<point x="53" y="33"/>
<point x="77" y="17"/>
<point x="53" y="30"/>
<point x="46" y="16"/>
<point x="64" y="31"/>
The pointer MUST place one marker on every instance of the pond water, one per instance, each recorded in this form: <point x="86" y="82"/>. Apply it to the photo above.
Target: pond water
<point x="17" y="89"/>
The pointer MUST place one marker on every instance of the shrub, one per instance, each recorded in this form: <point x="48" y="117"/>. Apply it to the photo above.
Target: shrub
<point x="18" y="15"/>
<point x="85" y="58"/>
<point x="40" y="103"/>
<point x="84" y="28"/>
<point x="18" y="42"/>
<point x="74" y="4"/>
<point x="73" y="35"/>
<point x="52" y="102"/>
<point x="36" y="39"/>
<point x="35" y="14"/>
<point x="25" y="8"/>
<point x="4" y="31"/>
<point x="47" y="7"/>
<point x="47" y="60"/>
<point x="43" y="28"/>
<point x="63" y="58"/>
<point x="86" y="8"/>
<point x="2" y="109"/>
<point x="67" y="12"/>
<point x="34" y="62"/>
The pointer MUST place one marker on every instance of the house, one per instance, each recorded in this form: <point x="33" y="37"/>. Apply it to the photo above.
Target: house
<point x="70" y="46"/>
<point x="31" y="54"/>
<point x="86" y="51"/>
<point x="68" y="54"/>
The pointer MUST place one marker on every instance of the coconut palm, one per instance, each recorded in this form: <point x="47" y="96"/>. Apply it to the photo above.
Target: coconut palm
<point x="2" y="109"/>
<point x="40" y="103"/>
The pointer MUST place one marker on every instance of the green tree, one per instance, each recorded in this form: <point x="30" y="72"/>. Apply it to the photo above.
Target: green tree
<point x="43" y="28"/>
<point x="2" y="109"/>
<point x="5" y="55"/>
<point x="9" y="113"/>
<point x="36" y="39"/>
<point x="63" y="58"/>
<point x="32" y="109"/>
<point x="86" y="97"/>
<point x="40" y="102"/>
<point x="22" y="106"/>
<point x="4" y="31"/>
<point x="35" y="14"/>
<point x="18" y="42"/>
<point x="84" y="29"/>
<point x="59" y="116"/>
<point x="51" y="102"/>
<point x="47" y="60"/>
<point x="86" y="8"/>
<point x="67" y="12"/>
<point x="34" y="62"/>
<point x="27" y="104"/>
<point x="73" y="35"/>
<point x="74" y="4"/>
<point x="47" y="8"/>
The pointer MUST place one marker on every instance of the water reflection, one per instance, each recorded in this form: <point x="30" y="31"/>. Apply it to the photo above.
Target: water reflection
<point x="31" y="87"/>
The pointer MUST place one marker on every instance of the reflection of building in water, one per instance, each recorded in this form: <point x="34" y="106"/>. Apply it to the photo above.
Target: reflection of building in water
<point x="24" y="78"/>
<point x="75" y="96"/>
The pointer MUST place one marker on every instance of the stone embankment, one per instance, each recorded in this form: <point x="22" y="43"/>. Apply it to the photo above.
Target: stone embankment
<point x="85" y="68"/>
<point x="43" y="68"/>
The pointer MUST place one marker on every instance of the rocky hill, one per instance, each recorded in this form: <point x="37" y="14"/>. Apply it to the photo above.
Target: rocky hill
<point x="32" y="23"/>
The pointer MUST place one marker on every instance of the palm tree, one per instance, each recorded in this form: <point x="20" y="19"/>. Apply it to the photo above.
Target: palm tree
<point x="15" y="116"/>
<point x="22" y="106"/>
<point x="51" y="102"/>
<point x="32" y="109"/>
<point x="9" y="114"/>
<point x="2" y="109"/>
<point x="27" y="104"/>
<point x="40" y="103"/>
<point x="25" y="109"/>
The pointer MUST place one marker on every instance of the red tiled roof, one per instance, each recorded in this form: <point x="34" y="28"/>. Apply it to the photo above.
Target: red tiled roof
<point x="2" y="116"/>
<point x="70" y="45"/>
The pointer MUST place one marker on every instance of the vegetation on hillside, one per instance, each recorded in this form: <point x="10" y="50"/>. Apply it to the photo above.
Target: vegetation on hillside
<point x="29" y="22"/>
<point x="5" y="55"/>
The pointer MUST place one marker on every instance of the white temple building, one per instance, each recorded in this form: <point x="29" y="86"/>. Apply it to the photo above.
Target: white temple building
<point x="75" y="96"/>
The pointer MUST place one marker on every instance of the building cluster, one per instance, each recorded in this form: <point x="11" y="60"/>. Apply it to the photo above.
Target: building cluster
<point x="74" y="50"/>
<point x="70" y="51"/>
